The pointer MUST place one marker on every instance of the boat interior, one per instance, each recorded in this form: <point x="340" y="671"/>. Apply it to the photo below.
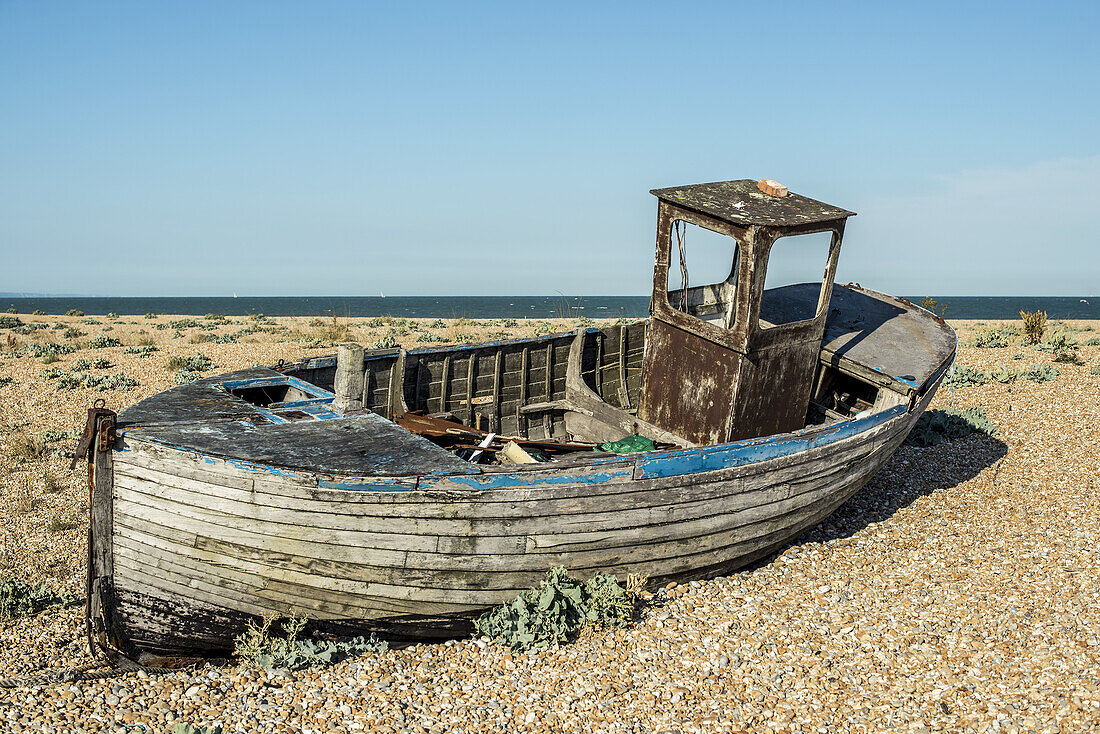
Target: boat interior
<point x="715" y="363"/>
<point x="583" y="388"/>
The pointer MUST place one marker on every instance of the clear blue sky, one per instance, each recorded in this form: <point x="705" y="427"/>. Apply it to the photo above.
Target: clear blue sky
<point x="276" y="148"/>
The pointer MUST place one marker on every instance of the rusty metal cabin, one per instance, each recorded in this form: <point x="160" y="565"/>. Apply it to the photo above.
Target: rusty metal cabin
<point x="723" y="361"/>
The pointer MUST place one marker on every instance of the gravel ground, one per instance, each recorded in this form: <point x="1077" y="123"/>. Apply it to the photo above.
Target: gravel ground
<point x="957" y="592"/>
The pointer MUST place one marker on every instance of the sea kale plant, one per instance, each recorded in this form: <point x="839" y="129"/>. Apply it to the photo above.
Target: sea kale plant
<point x="555" y="610"/>
<point x="102" y="341"/>
<point x="1040" y="372"/>
<point x="20" y="598"/>
<point x="949" y="424"/>
<point x="260" y="646"/>
<point x="991" y="339"/>
<point x="1062" y="346"/>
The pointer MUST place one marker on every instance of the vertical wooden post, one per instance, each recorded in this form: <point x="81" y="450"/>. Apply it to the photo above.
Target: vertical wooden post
<point x="100" y="584"/>
<point x="349" y="380"/>
<point x="624" y="394"/>
<point x="396" y="403"/>
<point x="547" y="421"/>
<point x="471" y="383"/>
<point x="445" y="384"/>
<point x="524" y="376"/>
<point x="498" y="377"/>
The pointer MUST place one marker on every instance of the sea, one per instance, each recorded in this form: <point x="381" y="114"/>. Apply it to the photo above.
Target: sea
<point x="492" y="307"/>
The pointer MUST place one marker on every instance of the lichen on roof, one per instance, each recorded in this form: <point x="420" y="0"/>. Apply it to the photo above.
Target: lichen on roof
<point x="742" y="203"/>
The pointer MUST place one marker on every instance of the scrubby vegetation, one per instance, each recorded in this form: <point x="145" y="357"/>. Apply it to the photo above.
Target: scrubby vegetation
<point x="194" y="363"/>
<point x="26" y="447"/>
<point x="102" y="341"/>
<point x="38" y="351"/>
<point x="557" y="609"/>
<point x="1035" y="324"/>
<point x="388" y="340"/>
<point x="261" y="647"/>
<point x="99" y="363"/>
<point x="102" y="383"/>
<point x="19" y="598"/>
<point x="990" y="339"/>
<point x="1040" y="372"/>
<point x="949" y="424"/>
<point x="1062" y="346"/>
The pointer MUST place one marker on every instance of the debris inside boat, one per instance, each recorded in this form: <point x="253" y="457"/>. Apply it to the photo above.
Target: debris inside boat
<point x="406" y="491"/>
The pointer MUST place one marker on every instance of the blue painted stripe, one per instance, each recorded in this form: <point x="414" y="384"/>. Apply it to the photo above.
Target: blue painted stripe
<point x="274" y="381"/>
<point x="379" y="486"/>
<point x="711" y="458"/>
<point x="526" y="479"/>
<point x="304" y="403"/>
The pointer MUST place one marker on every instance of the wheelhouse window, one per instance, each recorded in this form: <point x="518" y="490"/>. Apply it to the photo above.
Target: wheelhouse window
<point x="702" y="273"/>
<point x="794" y="281"/>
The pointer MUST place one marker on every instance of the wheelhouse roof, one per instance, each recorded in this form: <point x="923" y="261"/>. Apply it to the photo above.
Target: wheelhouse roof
<point x="742" y="203"/>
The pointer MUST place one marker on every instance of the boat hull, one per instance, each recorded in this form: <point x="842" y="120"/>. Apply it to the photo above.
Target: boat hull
<point x="199" y="545"/>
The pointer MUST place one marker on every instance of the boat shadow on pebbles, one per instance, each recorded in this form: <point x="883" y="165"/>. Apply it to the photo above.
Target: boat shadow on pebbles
<point x="913" y="472"/>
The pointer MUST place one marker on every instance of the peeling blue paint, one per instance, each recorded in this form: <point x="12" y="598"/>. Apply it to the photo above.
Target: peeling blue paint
<point x="523" y="480"/>
<point x="380" y="486"/>
<point x="692" y="461"/>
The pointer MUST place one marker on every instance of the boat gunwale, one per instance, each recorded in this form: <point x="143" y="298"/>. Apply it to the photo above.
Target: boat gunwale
<point x="800" y="440"/>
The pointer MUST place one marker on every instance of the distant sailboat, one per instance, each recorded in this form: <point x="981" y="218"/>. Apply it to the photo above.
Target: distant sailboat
<point x="381" y="294"/>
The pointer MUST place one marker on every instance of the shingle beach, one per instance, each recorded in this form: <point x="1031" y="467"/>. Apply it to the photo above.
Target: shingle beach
<point x="959" y="591"/>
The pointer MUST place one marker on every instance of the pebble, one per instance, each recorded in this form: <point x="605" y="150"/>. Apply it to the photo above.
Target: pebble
<point x="956" y="593"/>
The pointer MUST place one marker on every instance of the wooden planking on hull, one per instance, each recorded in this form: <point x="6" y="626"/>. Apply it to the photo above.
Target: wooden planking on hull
<point x="655" y="506"/>
<point x="314" y="584"/>
<point x="683" y="527"/>
<point x="436" y="530"/>
<point x="603" y="559"/>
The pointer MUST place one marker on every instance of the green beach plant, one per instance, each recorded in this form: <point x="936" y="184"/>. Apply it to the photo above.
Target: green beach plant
<point x="36" y="350"/>
<point x="1035" y="324"/>
<point x="260" y="646"/>
<point x="194" y="363"/>
<point x="990" y="339"/>
<point x="949" y="424"/>
<point x="555" y="610"/>
<point x="19" y="598"/>
<point x="1040" y="372"/>
<point x="961" y="375"/>
<point x="102" y="341"/>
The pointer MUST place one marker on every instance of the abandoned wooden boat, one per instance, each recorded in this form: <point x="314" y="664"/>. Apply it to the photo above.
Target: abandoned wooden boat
<point x="367" y="490"/>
